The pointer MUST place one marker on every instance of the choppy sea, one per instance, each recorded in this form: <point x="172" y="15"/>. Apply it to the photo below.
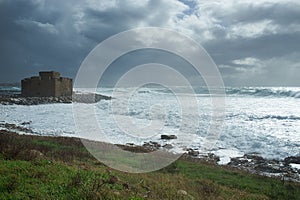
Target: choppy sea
<point x="262" y="120"/>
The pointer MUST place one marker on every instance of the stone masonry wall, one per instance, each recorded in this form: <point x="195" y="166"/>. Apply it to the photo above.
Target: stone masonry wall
<point x="47" y="84"/>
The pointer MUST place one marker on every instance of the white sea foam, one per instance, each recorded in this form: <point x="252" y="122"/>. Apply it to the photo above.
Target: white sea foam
<point x="261" y="120"/>
<point x="296" y="166"/>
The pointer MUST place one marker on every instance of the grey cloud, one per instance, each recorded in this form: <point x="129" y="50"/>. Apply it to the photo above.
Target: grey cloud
<point x="283" y="13"/>
<point x="50" y="34"/>
<point x="32" y="40"/>
<point x="267" y="46"/>
<point x="125" y="16"/>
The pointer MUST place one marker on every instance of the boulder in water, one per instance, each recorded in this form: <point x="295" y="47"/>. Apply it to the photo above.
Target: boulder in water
<point x="168" y="137"/>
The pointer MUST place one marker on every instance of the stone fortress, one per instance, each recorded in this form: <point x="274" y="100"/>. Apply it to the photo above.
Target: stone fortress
<point x="47" y="84"/>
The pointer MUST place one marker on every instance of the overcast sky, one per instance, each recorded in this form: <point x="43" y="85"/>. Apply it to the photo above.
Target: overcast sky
<point x="254" y="43"/>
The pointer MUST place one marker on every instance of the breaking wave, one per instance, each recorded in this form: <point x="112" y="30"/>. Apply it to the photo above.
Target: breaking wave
<point x="265" y="92"/>
<point x="276" y="117"/>
<point x="241" y="91"/>
<point x="238" y="91"/>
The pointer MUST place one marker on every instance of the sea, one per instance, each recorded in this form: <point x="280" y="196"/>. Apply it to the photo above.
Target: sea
<point x="260" y="120"/>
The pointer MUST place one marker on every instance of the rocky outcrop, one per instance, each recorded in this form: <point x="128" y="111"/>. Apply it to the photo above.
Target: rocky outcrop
<point x="14" y="127"/>
<point x="34" y="100"/>
<point x="292" y="159"/>
<point x="145" y="148"/>
<point x="257" y="164"/>
<point x="168" y="137"/>
<point x="195" y="156"/>
<point x="152" y="146"/>
<point x="193" y="152"/>
<point x="81" y="98"/>
<point x="89" y="97"/>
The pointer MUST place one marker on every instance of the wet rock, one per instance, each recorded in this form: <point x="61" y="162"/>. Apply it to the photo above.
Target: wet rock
<point x="168" y="137"/>
<point x="212" y="158"/>
<point x="258" y="165"/>
<point x="266" y="168"/>
<point x="193" y="152"/>
<point x="292" y="159"/>
<point x="155" y="144"/>
<point x="167" y="146"/>
<point x="89" y="98"/>
<point x="208" y="158"/>
<point x="238" y="161"/>
<point x="152" y="146"/>
<point x="254" y="157"/>
<point x="15" y="127"/>
<point x="26" y="123"/>
<point x="82" y="98"/>
<point x="135" y="148"/>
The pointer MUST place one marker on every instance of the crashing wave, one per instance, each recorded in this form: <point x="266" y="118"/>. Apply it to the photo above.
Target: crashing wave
<point x="277" y="117"/>
<point x="265" y="92"/>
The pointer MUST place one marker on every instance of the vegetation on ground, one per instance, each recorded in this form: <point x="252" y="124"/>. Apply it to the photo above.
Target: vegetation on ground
<point x="39" y="167"/>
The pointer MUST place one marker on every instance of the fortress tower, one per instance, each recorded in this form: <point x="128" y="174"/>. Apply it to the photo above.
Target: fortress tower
<point x="47" y="84"/>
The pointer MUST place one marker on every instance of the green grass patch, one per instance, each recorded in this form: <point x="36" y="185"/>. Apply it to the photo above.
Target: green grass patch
<point x="34" y="167"/>
<point x="255" y="184"/>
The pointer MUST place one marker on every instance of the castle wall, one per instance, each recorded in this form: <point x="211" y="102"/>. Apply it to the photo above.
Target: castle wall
<point x="64" y="87"/>
<point x="48" y="84"/>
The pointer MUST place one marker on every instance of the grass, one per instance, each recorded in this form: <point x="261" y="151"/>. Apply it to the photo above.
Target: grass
<point x="35" y="167"/>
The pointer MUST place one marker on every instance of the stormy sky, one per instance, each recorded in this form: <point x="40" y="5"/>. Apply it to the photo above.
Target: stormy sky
<point x="253" y="43"/>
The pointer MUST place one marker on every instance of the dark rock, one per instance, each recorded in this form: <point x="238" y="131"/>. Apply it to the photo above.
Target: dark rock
<point x="292" y="159"/>
<point x="89" y="97"/>
<point x="26" y="123"/>
<point x="168" y="137"/>
<point x="255" y="158"/>
<point x="192" y="152"/>
<point x="82" y="98"/>
<point x="15" y="127"/>
<point x="155" y="144"/>
<point x="167" y="146"/>
<point x="135" y="148"/>
<point x="258" y="165"/>
<point x="267" y="168"/>
<point x="152" y="146"/>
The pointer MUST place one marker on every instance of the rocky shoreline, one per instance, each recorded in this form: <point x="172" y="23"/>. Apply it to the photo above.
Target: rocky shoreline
<point x="17" y="99"/>
<point x="252" y="163"/>
<point x="287" y="169"/>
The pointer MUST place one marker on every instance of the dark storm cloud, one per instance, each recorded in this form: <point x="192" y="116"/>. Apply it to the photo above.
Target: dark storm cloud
<point x="31" y="40"/>
<point x="55" y="35"/>
<point x="251" y="42"/>
<point x="125" y="15"/>
<point x="124" y="63"/>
